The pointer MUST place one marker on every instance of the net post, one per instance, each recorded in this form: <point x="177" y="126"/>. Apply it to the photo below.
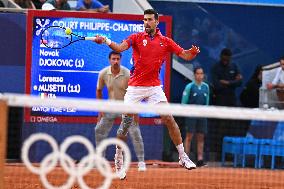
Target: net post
<point x="3" y="139"/>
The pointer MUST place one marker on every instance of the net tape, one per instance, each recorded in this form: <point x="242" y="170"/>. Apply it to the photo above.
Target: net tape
<point x="219" y="112"/>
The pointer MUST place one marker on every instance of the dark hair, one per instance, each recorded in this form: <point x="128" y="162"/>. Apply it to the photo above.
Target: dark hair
<point x="152" y="11"/>
<point x="197" y="68"/>
<point x="115" y="53"/>
<point x="257" y="70"/>
<point x="282" y="58"/>
<point x="226" y="52"/>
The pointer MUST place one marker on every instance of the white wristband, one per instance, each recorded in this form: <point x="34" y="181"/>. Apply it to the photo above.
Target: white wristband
<point x="108" y="41"/>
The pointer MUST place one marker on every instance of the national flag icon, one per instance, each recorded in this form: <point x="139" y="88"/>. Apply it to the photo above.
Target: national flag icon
<point x="42" y="42"/>
<point x="43" y="95"/>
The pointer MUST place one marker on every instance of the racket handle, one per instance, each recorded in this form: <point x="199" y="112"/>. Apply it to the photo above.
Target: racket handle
<point x="90" y="38"/>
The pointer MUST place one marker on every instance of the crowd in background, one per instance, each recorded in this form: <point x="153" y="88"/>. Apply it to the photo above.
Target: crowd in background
<point x="81" y="5"/>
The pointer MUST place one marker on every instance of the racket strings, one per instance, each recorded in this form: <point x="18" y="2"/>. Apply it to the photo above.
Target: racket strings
<point x="56" y="38"/>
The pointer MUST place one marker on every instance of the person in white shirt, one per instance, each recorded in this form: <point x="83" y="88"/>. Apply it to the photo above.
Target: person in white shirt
<point x="278" y="81"/>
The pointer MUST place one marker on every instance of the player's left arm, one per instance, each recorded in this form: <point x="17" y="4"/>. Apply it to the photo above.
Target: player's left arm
<point x="184" y="54"/>
<point x="190" y="53"/>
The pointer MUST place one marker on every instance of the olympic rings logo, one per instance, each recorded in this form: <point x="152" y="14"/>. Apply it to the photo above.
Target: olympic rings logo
<point x="76" y="173"/>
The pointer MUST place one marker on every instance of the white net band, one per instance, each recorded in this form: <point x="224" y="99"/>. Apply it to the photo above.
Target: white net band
<point x="162" y="109"/>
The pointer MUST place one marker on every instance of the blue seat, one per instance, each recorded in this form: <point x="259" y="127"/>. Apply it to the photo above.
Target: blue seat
<point x="274" y="147"/>
<point x="232" y="145"/>
<point x="271" y="148"/>
<point x="266" y="148"/>
<point x="279" y="132"/>
<point x="278" y="150"/>
<point x="278" y="142"/>
<point x="250" y="147"/>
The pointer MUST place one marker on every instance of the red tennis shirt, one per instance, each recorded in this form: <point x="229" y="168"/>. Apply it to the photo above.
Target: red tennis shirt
<point x="149" y="54"/>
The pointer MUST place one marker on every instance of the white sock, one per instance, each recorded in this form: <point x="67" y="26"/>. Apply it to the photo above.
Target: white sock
<point x="180" y="149"/>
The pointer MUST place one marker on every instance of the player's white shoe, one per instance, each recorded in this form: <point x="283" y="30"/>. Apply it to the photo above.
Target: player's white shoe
<point x="142" y="166"/>
<point x="118" y="162"/>
<point x="186" y="162"/>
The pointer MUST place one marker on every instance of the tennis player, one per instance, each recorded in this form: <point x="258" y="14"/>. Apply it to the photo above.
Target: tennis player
<point x="149" y="51"/>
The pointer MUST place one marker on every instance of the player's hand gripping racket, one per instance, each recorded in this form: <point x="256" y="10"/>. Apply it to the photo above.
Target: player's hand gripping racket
<point x="57" y="37"/>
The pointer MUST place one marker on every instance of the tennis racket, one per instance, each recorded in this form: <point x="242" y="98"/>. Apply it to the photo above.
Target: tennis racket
<point x="57" y="37"/>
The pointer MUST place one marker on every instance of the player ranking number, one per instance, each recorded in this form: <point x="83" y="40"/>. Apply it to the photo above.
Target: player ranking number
<point x="49" y="61"/>
<point x="55" y="88"/>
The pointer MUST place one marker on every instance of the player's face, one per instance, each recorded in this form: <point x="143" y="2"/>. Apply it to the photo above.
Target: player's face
<point x="199" y="75"/>
<point x="282" y="64"/>
<point x="115" y="61"/>
<point x="150" y="23"/>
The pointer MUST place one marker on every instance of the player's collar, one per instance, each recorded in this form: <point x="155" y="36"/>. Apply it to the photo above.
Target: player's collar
<point x="109" y="70"/>
<point x="158" y="32"/>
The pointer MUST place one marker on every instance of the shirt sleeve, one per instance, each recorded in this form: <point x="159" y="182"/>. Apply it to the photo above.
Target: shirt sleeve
<point x="215" y="75"/>
<point x="127" y="73"/>
<point x="97" y="4"/>
<point x="277" y="77"/>
<point x="100" y="82"/>
<point x="173" y="47"/>
<point x="80" y="5"/>
<point x="131" y="40"/>
<point x="185" y="94"/>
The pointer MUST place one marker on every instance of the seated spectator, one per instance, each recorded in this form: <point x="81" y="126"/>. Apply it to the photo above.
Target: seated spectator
<point x="38" y="3"/>
<point x="250" y="94"/>
<point x="278" y="81"/>
<point x="25" y="4"/>
<point x="91" y="5"/>
<point x="57" y="4"/>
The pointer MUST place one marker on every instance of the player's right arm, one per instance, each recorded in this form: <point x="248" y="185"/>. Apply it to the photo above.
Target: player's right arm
<point x="117" y="47"/>
<point x="113" y="45"/>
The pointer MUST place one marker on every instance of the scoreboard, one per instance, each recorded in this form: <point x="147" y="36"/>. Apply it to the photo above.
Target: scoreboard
<point x="73" y="70"/>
